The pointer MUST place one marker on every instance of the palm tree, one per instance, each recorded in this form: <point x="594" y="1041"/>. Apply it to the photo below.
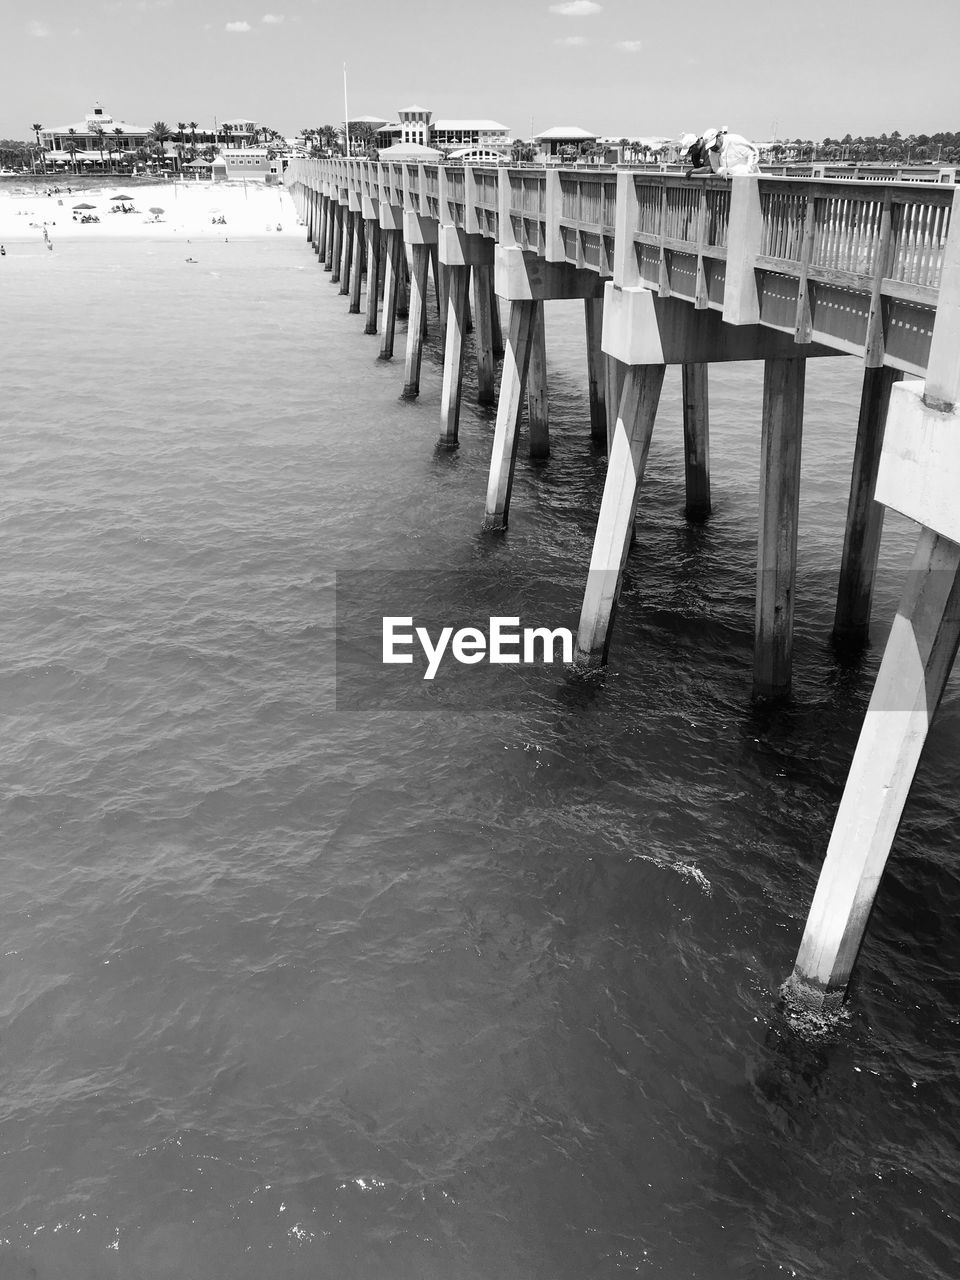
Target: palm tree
<point x="71" y="147"/>
<point x="193" y="126"/>
<point x="36" y="129"/>
<point x="117" y="143"/>
<point x="158" y="135"/>
<point x="329" y="137"/>
<point x="97" y="131"/>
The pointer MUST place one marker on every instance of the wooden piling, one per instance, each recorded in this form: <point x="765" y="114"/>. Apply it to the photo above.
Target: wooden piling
<point x="458" y="285"/>
<point x="336" y="248"/>
<point x="416" y="326"/>
<point x="614" y="374"/>
<point x="356" y="270"/>
<point x="861" y="542"/>
<point x="538" y="415"/>
<point x="696" y="440"/>
<point x="513" y="381"/>
<point x="321" y="241"/>
<point x="349" y="219"/>
<point x="633" y="431"/>
<point x="486" y="372"/>
<point x="781" y="431"/>
<point x="373" y="273"/>
<point x="916" y="664"/>
<point x="392" y="256"/>
<point x="596" y="380"/>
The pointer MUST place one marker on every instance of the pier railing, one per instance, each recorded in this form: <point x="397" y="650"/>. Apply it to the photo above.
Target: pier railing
<point x="854" y="263"/>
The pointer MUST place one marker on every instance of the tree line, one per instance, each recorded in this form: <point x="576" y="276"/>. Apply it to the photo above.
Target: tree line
<point x="124" y="156"/>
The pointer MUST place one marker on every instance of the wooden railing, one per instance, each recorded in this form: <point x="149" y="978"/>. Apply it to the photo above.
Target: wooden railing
<point x="527" y="208"/>
<point x="855" y="264"/>
<point x="487" y="201"/>
<point x="587" y="222"/>
<point x="680" y="239"/>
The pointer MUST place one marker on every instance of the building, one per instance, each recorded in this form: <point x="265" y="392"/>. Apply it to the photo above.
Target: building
<point x="565" y="141"/>
<point x="416" y="127"/>
<point x="100" y="137"/>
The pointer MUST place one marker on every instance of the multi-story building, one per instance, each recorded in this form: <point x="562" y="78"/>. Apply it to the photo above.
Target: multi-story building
<point x="417" y="127"/>
<point x="121" y="136"/>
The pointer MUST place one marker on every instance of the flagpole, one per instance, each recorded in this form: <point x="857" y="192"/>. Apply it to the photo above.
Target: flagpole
<point x="346" y="112"/>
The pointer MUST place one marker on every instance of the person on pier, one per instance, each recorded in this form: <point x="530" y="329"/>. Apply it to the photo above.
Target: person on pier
<point x="694" y="153"/>
<point x="730" y="154"/>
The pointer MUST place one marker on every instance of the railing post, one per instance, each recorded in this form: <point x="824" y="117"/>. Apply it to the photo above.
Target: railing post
<point x="741" y="297"/>
<point x="942" y="387"/>
<point x="553" y="209"/>
<point x="626" y="269"/>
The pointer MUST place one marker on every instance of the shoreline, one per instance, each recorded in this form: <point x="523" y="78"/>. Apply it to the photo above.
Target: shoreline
<point x="187" y="211"/>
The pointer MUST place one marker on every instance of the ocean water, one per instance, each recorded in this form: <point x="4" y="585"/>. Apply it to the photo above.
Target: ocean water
<point x="419" y="989"/>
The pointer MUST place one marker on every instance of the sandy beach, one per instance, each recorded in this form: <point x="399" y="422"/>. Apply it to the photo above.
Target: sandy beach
<point x="190" y="210"/>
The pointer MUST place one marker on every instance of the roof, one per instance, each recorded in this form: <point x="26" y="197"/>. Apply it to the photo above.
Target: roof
<point x="367" y="120"/>
<point x="483" y="126"/>
<point x="108" y="122"/>
<point x="421" y="110"/>
<point x="564" y="131"/>
<point x="413" y="150"/>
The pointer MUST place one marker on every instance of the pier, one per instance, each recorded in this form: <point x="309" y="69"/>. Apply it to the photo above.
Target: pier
<point x="677" y="271"/>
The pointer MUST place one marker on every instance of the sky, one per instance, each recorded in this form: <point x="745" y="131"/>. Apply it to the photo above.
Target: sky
<point x="613" y="67"/>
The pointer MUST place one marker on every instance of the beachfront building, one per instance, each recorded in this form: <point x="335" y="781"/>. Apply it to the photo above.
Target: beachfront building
<point x="100" y="138"/>
<point x="416" y="127"/>
<point x="565" y="142"/>
<point x="252" y="164"/>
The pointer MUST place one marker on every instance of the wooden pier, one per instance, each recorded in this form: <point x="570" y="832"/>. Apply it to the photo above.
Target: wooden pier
<point x="684" y="271"/>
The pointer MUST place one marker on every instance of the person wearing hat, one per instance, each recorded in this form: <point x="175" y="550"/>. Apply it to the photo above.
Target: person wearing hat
<point x="731" y="154"/>
<point x="694" y="154"/>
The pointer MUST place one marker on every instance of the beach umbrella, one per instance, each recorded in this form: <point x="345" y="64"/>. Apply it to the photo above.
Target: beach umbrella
<point x="124" y="199"/>
<point x="155" y="209"/>
<point x="84" y="206"/>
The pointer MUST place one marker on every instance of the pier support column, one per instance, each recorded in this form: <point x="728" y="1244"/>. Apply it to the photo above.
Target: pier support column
<point x="783" y="386"/>
<point x="416" y="324"/>
<point x="513" y="381"/>
<point x="596" y="379"/>
<point x="336" y="248"/>
<point x="320" y="242"/>
<point x="403" y="286"/>
<point x="916" y="665"/>
<point x="326" y="253"/>
<point x="311" y="218"/>
<point x="696" y="440"/>
<point x="356" y="270"/>
<point x="346" y="262"/>
<point x="538" y="415"/>
<point x="458" y="285"/>
<point x="614" y="374"/>
<point x="495" y="313"/>
<point x="392" y="255"/>
<point x="373" y="273"/>
<point x="435" y="271"/>
<point x="861" y="542"/>
<point x="484" y="296"/>
<point x="443" y="299"/>
<point x="628" y="457"/>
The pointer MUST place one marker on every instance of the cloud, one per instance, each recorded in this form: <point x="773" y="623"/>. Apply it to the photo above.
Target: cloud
<point x="630" y="46"/>
<point x="576" y="8"/>
<point x="39" y="30"/>
<point x="570" y="40"/>
<point x="272" y="19"/>
<point x="238" y="26"/>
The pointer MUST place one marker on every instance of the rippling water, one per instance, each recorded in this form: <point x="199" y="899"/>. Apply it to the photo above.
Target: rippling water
<point x="413" y="992"/>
